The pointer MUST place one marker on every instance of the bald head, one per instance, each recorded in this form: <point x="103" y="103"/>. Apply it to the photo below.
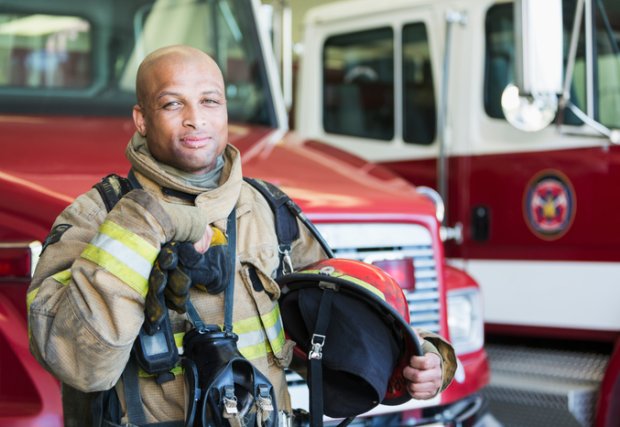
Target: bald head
<point x="166" y="57"/>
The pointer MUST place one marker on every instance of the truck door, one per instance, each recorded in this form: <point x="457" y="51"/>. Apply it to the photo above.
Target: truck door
<point x="537" y="220"/>
<point x="364" y="63"/>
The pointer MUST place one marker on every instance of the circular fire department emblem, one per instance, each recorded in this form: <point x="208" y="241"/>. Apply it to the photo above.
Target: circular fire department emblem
<point x="549" y="205"/>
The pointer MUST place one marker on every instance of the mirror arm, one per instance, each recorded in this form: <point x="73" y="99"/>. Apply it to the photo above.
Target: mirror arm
<point x="572" y="56"/>
<point x="612" y="134"/>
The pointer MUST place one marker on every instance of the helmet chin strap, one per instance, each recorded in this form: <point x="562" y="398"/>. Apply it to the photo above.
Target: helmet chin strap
<point x="315" y="357"/>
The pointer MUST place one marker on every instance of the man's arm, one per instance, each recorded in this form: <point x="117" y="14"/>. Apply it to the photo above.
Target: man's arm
<point x="86" y="300"/>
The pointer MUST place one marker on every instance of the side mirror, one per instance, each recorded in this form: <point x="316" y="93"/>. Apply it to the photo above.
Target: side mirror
<point x="531" y="103"/>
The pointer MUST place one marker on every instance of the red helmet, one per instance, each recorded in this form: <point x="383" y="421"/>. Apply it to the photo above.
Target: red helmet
<point x="368" y="341"/>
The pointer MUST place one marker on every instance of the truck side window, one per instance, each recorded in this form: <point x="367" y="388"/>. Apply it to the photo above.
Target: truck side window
<point x="500" y="60"/>
<point x="607" y="64"/>
<point x="419" y="110"/>
<point x="358" y="84"/>
<point x="83" y="60"/>
<point x="44" y="51"/>
<point x="499" y="57"/>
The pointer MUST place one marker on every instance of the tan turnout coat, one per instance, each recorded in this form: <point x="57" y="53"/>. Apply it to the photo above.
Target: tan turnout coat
<point x="86" y="300"/>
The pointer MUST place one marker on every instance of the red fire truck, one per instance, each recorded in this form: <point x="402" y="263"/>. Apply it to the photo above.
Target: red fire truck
<point x="67" y="71"/>
<point x="511" y="111"/>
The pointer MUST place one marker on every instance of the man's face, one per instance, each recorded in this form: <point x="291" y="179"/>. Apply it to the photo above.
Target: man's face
<point x="183" y="113"/>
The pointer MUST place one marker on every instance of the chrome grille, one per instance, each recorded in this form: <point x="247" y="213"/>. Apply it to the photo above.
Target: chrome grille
<point x="424" y="301"/>
<point x="371" y="241"/>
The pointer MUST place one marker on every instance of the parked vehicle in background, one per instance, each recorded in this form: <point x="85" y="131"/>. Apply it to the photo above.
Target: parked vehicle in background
<point x="529" y="172"/>
<point x="67" y="71"/>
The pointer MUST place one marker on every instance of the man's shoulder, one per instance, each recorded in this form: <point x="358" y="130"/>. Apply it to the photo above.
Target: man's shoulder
<point x="266" y="191"/>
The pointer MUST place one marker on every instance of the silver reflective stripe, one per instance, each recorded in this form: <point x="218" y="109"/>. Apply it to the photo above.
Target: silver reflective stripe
<point x="274" y="332"/>
<point x="120" y="251"/>
<point x="249" y="339"/>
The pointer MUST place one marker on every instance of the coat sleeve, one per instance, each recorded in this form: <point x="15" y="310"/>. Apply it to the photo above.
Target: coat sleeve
<point x="433" y="343"/>
<point x="306" y="249"/>
<point x="86" y="299"/>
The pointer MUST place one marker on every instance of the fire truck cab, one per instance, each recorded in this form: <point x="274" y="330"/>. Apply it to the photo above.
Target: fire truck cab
<point x="67" y="77"/>
<point x="511" y="111"/>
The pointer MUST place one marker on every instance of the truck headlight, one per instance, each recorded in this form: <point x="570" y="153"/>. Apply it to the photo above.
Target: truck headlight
<point x="465" y="320"/>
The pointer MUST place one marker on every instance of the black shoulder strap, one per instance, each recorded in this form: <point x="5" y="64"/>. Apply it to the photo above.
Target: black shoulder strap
<point x="112" y="188"/>
<point x="287" y="229"/>
<point x="286" y="225"/>
<point x="286" y="211"/>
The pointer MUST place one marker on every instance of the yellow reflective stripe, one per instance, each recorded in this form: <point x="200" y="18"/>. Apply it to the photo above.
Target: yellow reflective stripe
<point x="258" y="336"/>
<point x="30" y="296"/>
<point x="178" y="339"/>
<point x="175" y="371"/>
<point x="277" y="342"/>
<point x="124" y="254"/>
<point x="116" y="267"/>
<point x="134" y="242"/>
<point x="255" y="351"/>
<point x="253" y="343"/>
<point x="348" y="278"/>
<point x="63" y="277"/>
<point x="272" y="323"/>
<point x="251" y="324"/>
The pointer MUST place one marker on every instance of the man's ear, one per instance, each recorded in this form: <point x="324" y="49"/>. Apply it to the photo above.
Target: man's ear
<point x="138" y="119"/>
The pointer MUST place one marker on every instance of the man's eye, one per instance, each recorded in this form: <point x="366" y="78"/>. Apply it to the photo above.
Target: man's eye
<point x="211" y="101"/>
<point x="173" y="105"/>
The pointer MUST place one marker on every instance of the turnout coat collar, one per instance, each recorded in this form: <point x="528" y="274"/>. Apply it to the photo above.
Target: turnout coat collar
<point x="221" y="200"/>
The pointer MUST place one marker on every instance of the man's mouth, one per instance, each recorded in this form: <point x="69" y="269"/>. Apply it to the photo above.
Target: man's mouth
<point x="194" y="141"/>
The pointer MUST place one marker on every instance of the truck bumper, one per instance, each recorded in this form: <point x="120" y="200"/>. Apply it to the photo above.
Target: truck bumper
<point x="472" y="411"/>
<point x="469" y="412"/>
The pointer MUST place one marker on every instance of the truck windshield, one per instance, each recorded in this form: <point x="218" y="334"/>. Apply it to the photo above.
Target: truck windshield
<point x="80" y="57"/>
<point x="595" y="87"/>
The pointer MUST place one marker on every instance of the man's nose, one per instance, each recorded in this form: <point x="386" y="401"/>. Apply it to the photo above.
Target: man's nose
<point x="193" y="117"/>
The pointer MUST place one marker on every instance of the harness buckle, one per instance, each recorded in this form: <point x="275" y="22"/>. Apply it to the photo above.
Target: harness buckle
<point x="264" y="399"/>
<point x="287" y="263"/>
<point x="230" y="402"/>
<point x="318" y="341"/>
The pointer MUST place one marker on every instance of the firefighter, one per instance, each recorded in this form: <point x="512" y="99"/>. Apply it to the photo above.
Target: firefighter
<point x="95" y="284"/>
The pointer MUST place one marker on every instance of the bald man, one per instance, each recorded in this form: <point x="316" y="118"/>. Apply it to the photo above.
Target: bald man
<point x="89" y="294"/>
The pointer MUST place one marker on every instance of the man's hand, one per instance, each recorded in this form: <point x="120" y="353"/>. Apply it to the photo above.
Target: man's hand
<point x="423" y="376"/>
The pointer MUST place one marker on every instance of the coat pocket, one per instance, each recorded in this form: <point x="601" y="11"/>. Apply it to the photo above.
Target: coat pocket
<point x="265" y="293"/>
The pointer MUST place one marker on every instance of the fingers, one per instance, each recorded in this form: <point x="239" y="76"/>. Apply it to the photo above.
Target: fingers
<point x="423" y="376"/>
<point x="168" y="257"/>
<point x="205" y="241"/>
<point x="177" y="291"/>
<point x="188" y="255"/>
<point x="154" y="307"/>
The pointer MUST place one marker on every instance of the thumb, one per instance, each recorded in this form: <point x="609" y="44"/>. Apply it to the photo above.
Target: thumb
<point x="205" y="241"/>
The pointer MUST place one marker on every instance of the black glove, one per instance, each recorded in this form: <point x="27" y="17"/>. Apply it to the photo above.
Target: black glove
<point x="177" y="268"/>
<point x="163" y="291"/>
<point x="208" y="271"/>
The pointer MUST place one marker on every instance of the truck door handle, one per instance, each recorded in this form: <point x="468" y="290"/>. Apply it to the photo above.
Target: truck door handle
<point x="480" y="223"/>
